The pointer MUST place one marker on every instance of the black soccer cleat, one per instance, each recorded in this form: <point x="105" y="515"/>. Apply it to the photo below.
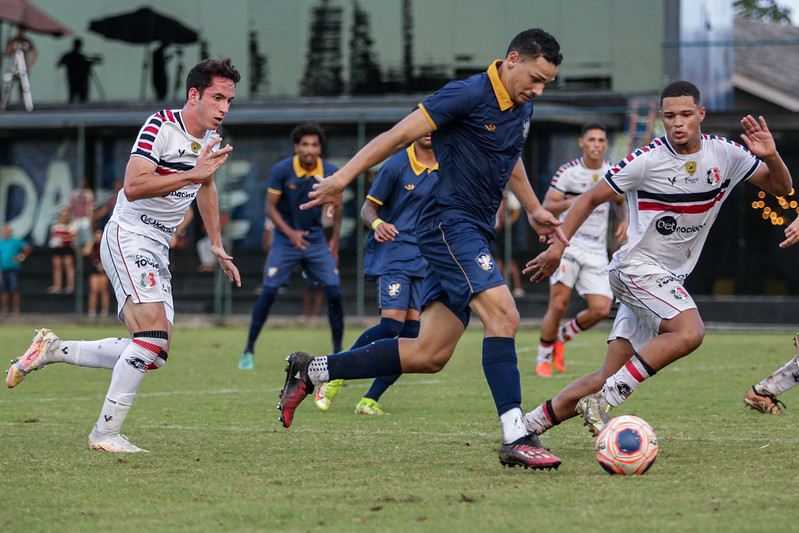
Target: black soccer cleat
<point x="298" y="386"/>
<point x="529" y="453"/>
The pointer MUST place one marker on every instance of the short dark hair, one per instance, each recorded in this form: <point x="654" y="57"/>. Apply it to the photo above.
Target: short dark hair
<point x="680" y="88"/>
<point x="308" y="128"/>
<point x="534" y="43"/>
<point x="201" y="74"/>
<point x="593" y="126"/>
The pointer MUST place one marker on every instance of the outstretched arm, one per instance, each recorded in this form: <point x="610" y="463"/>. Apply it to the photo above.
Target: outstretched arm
<point x="774" y="176"/>
<point x="542" y="221"/>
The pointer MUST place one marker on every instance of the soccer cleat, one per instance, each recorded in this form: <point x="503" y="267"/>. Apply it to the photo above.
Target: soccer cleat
<point x="35" y="357"/>
<point x="763" y="402"/>
<point x="368" y="406"/>
<point x="298" y="385"/>
<point x="529" y="453"/>
<point x="115" y="443"/>
<point x="557" y="356"/>
<point x="544" y="370"/>
<point x="246" y="361"/>
<point x="325" y="393"/>
<point x="595" y="410"/>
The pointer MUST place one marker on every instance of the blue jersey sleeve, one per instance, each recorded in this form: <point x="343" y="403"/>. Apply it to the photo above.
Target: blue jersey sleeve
<point x="276" y="179"/>
<point x="450" y="103"/>
<point x="383" y="187"/>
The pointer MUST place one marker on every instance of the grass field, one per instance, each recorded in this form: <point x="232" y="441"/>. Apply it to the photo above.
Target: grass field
<point x="220" y="460"/>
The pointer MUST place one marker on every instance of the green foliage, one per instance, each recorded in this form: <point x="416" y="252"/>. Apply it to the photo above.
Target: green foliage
<point x="767" y="10"/>
<point x="220" y="460"/>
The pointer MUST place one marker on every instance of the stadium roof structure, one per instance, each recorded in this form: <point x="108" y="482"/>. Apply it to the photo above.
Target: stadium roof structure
<point x="767" y="61"/>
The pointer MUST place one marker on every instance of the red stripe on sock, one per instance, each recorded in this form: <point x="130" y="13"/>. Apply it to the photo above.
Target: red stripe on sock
<point x="546" y="412"/>
<point x="634" y="371"/>
<point x="152" y="347"/>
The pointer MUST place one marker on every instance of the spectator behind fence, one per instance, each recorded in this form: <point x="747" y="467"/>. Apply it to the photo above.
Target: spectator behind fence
<point x="81" y="203"/>
<point x="98" y="281"/>
<point x="79" y="67"/>
<point x="63" y="234"/>
<point x="13" y="251"/>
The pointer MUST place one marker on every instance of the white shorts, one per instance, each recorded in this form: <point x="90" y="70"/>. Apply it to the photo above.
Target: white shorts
<point x="646" y="300"/>
<point x="586" y="272"/>
<point x="138" y="268"/>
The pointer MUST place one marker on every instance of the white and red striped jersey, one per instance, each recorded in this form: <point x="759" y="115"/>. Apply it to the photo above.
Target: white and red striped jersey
<point x="163" y="140"/>
<point x="573" y="179"/>
<point x="673" y="200"/>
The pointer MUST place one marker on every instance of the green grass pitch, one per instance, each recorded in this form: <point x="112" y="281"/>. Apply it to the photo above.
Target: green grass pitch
<point x="220" y="460"/>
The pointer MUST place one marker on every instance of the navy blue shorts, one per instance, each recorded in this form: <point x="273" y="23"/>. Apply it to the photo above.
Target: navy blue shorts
<point x="397" y="290"/>
<point x="316" y="261"/>
<point x="459" y="265"/>
<point x="10" y="281"/>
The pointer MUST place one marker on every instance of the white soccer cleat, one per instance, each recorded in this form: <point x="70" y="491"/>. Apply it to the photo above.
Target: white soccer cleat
<point x="115" y="443"/>
<point x="35" y="357"/>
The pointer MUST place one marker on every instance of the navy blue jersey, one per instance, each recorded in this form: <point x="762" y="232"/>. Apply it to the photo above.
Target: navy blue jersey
<point x="293" y="183"/>
<point x="401" y="188"/>
<point x="478" y="135"/>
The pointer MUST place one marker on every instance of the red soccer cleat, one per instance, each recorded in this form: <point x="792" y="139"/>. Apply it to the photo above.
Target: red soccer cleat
<point x="529" y="453"/>
<point x="298" y="386"/>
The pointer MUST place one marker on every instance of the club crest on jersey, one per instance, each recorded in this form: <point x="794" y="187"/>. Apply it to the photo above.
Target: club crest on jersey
<point x="195" y="148"/>
<point x="690" y="166"/>
<point x="485" y="262"/>
<point x="394" y="289"/>
<point x="595" y="177"/>
<point x="679" y="293"/>
<point x="271" y="272"/>
<point x="713" y="177"/>
<point x="147" y="279"/>
<point x="525" y="128"/>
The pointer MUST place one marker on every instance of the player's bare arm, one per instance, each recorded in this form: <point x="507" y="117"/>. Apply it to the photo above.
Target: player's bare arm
<point x="556" y="202"/>
<point x="791" y="234"/>
<point x="385" y="231"/>
<point x="547" y="262"/>
<point x="774" y="176"/>
<point x="328" y="190"/>
<point x="541" y="220"/>
<point x="336" y="212"/>
<point x="141" y="181"/>
<point x="208" y="204"/>
<point x="296" y="236"/>
<point x="619" y="206"/>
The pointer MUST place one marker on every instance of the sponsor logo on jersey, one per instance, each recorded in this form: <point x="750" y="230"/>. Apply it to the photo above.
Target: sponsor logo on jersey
<point x="490" y="127"/>
<point x="157" y="224"/>
<point x="182" y="194"/>
<point x="668" y="225"/>
<point x="271" y="272"/>
<point x="410" y="187"/>
<point x="690" y="166"/>
<point x="672" y="180"/>
<point x="195" y="148"/>
<point x="679" y="293"/>
<point x="664" y="280"/>
<point x="485" y="262"/>
<point x="147" y="279"/>
<point x="713" y="177"/>
<point x="394" y="289"/>
<point x="143" y="261"/>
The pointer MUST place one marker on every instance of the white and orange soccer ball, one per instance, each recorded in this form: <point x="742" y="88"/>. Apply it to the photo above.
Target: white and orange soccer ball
<point x="627" y="445"/>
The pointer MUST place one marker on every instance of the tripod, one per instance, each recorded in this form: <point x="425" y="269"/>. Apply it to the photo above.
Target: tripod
<point x="17" y="69"/>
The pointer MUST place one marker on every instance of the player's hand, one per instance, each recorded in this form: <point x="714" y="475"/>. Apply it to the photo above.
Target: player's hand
<point x="297" y="238"/>
<point x="621" y="230"/>
<point x="208" y="161"/>
<point x="386" y="232"/>
<point x="757" y="137"/>
<point x="325" y="191"/>
<point x="332" y="247"/>
<point x="226" y="262"/>
<point x="791" y="234"/>
<point x="547" y="226"/>
<point x="543" y="266"/>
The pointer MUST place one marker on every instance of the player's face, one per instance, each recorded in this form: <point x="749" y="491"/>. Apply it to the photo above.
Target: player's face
<point x="527" y="77"/>
<point x="425" y="142"/>
<point x="214" y="103"/>
<point x="681" y="117"/>
<point x="308" y="149"/>
<point x="594" y="143"/>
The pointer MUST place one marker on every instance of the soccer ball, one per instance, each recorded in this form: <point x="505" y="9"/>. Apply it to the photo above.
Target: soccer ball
<point x="627" y="445"/>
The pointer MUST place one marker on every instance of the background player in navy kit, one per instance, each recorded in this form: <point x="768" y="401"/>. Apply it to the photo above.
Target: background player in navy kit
<point x="479" y="127"/>
<point x="584" y="266"/>
<point x="392" y="258"/>
<point x="675" y="187"/>
<point x="172" y="162"/>
<point x="298" y="236"/>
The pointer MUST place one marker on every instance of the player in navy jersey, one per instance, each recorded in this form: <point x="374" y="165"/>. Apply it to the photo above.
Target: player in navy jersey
<point x="479" y="126"/>
<point x="172" y="163"/>
<point x="392" y="258"/>
<point x="299" y="236"/>
<point x="674" y="189"/>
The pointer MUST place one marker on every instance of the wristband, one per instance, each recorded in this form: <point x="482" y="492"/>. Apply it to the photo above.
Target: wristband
<point x="376" y="222"/>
